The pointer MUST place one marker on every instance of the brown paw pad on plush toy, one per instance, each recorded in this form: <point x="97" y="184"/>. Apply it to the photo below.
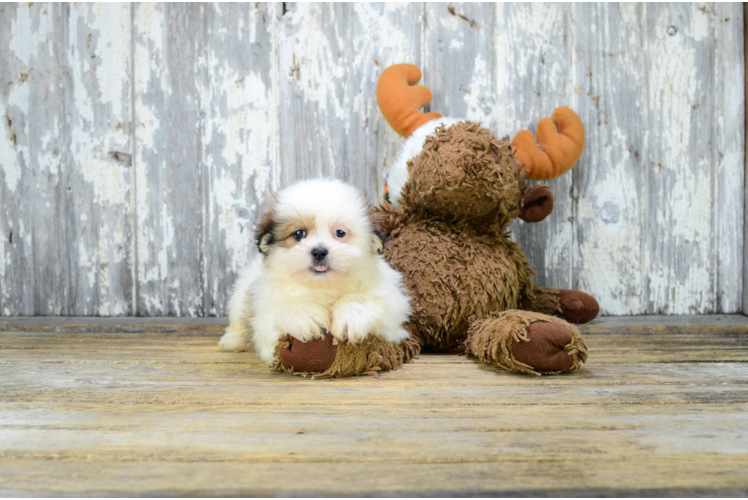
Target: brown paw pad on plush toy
<point x="327" y="357"/>
<point x="527" y="342"/>
<point x="577" y="307"/>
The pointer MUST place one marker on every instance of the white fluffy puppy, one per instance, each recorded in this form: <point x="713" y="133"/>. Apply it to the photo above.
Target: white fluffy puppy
<point x="320" y="267"/>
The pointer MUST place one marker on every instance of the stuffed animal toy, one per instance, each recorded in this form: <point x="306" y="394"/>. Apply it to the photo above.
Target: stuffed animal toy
<point x="450" y="197"/>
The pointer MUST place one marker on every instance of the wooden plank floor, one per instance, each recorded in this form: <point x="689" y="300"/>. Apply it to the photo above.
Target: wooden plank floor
<point x="147" y="407"/>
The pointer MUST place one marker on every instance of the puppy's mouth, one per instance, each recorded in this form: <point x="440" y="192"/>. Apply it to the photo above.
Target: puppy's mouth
<point x="320" y="268"/>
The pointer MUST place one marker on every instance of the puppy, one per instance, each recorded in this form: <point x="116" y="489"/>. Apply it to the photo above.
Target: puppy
<point x="320" y="267"/>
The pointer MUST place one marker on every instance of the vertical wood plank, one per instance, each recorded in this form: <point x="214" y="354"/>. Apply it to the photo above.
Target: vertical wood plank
<point x="745" y="177"/>
<point x="170" y="196"/>
<point x="240" y="139"/>
<point x="35" y="270"/>
<point x="330" y="56"/>
<point x="611" y="180"/>
<point x="99" y="160"/>
<point x="66" y="158"/>
<point x="681" y="242"/>
<point x="507" y="65"/>
<point x="728" y="141"/>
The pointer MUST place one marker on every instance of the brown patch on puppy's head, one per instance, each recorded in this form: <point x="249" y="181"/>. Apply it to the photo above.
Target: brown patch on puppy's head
<point x="278" y="230"/>
<point x="464" y="172"/>
<point x="264" y="236"/>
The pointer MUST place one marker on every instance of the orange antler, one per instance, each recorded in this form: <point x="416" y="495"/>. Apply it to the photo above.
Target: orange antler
<point x="400" y="101"/>
<point x="561" y="143"/>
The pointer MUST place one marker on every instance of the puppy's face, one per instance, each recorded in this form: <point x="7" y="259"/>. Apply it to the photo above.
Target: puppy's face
<point x="318" y="231"/>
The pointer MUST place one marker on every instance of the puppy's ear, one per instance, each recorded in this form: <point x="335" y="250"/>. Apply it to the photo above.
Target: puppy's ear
<point x="377" y="242"/>
<point x="264" y="234"/>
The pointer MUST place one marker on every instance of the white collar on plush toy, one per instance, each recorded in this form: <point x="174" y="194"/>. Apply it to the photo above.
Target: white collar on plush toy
<point x="398" y="175"/>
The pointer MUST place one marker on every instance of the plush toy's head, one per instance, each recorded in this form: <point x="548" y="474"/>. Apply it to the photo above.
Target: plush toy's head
<point x="464" y="172"/>
<point x="459" y="169"/>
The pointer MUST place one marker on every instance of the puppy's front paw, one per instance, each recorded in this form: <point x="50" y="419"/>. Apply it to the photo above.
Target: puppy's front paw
<point x="351" y="322"/>
<point x="233" y="341"/>
<point x="304" y="323"/>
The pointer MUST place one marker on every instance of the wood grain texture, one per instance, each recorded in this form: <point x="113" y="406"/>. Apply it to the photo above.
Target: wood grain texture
<point x="139" y="141"/>
<point x="683" y="201"/>
<point x="163" y="412"/>
<point x="66" y="160"/>
<point x="661" y="198"/>
<point x="170" y="197"/>
<point x="99" y="160"/>
<point x="610" y="181"/>
<point x="727" y="86"/>
<point x="33" y="242"/>
<point x="745" y="191"/>
<point x="240" y="139"/>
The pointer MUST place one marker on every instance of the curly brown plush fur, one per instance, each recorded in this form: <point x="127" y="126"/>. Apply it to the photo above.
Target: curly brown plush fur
<point x="334" y="359"/>
<point x="494" y="341"/>
<point x="450" y="241"/>
<point x="457" y="163"/>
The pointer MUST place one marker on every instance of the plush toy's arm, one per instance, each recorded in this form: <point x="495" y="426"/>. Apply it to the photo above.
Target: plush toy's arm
<point x="386" y="218"/>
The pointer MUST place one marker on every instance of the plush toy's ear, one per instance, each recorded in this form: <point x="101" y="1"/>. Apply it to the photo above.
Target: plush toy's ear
<point x="377" y="242"/>
<point x="561" y="144"/>
<point x="537" y="203"/>
<point x="264" y="234"/>
<point x="400" y="100"/>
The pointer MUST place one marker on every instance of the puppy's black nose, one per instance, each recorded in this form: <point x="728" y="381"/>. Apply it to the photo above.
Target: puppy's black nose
<point x="319" y="252"/>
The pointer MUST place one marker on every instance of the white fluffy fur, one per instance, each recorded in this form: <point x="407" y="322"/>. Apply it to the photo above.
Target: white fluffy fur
<point x="279" y="293"/>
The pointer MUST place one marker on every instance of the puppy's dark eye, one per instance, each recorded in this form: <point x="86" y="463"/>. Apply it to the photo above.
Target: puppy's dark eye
<point x="299" y="235"/>
<point x="340" y="233"/>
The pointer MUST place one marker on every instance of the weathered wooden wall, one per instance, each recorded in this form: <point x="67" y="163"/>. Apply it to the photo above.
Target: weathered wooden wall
<point x="138" y="140"/>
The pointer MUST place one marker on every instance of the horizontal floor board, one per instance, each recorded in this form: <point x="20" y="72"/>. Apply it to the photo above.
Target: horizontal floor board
<point x="700" y="474"/>
<point x="605" y="324"/>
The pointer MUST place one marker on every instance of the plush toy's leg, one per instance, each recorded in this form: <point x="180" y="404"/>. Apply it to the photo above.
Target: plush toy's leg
<point x="330" y="358"/>
<point x="572" y="305"/>
<point x="527" y="342"/>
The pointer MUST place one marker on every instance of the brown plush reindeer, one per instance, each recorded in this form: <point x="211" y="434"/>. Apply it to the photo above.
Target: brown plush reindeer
<point x="453" y="192"/>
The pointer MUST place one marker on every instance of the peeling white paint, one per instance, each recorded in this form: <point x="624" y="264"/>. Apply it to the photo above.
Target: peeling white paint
<point x="312" y="79"/>
<point x="149" y="69"/>
<point x="167" y="239"/>
<point x="685" y="210"/>
<point x="99" y="55"/>
<point x="9" y="166"/>
<point x="28" y="29"/>
<point x="106" y="177"/>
